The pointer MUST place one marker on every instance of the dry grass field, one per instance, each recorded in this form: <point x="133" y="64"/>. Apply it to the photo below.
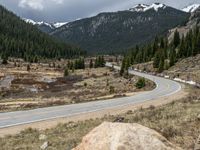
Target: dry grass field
<point x="45" y="85"/>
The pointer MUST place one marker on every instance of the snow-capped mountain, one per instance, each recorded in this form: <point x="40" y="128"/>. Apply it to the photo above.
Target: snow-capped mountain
<point x="144" y="7"/>
<point x="59" y="24"/>
<point x="29" y="21"/>
<point x="191" y="8"/>
<point x="114" y="31"/>
<point x="139" y="7"/>
<point x="39" y="23"/>
<point x="44" y="26"/>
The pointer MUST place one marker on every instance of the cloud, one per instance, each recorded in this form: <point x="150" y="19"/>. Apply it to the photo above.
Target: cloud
<point x="69" y="10"/>
<point x="36" y="4"/>
<point x="58" y="1"/>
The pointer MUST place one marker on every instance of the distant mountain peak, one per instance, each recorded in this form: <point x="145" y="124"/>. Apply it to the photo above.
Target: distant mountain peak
<point x="51" y="25"/>
<point x="145" y="7"/>
<point x="139" y="7"/>
<point x="191" y="8"/>
<point x="29" y="21"/>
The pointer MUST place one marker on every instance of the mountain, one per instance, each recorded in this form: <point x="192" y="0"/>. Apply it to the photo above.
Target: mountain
<point x="116" y="31"/>
<point x="193" y="21"/>
<point x="44" y="26"/>
<point x="144" y="7"/>
<point x="191" y="8"/>
<point x="23" y="40"/>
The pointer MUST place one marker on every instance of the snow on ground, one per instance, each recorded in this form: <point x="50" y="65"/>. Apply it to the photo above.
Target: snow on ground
<point x="184" y="81"/>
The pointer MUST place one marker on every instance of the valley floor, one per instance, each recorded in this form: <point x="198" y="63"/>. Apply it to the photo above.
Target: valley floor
<point x="45" y="85"/>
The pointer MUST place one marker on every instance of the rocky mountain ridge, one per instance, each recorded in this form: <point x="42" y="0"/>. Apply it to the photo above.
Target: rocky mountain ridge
<point x="194" y="20"/>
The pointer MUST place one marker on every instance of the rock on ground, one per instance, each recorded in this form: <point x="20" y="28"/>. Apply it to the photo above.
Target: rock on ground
<point x="197" y="145"/>
<point x="124" y="136"/>
<point x="44" y="145"/>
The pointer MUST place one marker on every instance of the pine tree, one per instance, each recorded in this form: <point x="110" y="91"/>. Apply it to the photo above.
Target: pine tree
<point x="123" y="67"/>
<point x="182" y="50"/>
<point x="103" y="62"/>
<point x="99" y="62"/>
<point x="66" y="72"/>
<point x="156" y="60"/>
<point x="140" y="83"/>
<point x="127" y="64"/>
<point x="162" y="43"/>
<point x="5" y="61"/>
<point x="172" y="57"/>
<point x="96" y="63"/>
<point x="161" y="64"/>
<point x="28" y="67"/>
<point x="91" y="63"/>
<point x="155" y="45"/>
<point x="176" y="40"/>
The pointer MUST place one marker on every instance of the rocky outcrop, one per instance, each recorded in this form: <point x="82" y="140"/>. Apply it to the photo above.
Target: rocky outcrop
<point x="122" y="136"/>
<point x="183" y="30"/>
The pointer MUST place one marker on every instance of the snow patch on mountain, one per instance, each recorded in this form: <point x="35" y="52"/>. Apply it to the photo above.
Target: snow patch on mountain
<point x="53" y="25"/>
<point x="144" y="7"/>
<point x="139" y="7"/>
<point x="59" y="24"/>
<point x="191" y="8"/>
<point x="29" y="21"/>
<point x="44" y="23"/>
<point x="156" y="6"/>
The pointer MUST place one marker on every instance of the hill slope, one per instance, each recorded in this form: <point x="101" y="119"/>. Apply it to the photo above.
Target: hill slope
<point x="120" y="30"/>
<point x="19" y="39"/>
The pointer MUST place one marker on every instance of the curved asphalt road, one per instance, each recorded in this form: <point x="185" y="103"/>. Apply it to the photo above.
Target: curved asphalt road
<point x="164" y="87"/>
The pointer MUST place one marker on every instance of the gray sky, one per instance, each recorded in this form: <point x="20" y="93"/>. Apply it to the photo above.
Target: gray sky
<point x="69" y="10"/>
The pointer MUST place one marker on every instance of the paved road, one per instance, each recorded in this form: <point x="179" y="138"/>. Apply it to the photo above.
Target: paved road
<point x="164" y="87"/>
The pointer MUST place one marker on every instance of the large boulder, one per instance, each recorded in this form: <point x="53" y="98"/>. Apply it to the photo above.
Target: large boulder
<point x="124" y="136"/>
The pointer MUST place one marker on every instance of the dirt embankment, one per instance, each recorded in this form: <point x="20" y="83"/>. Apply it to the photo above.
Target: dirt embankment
<point x="187" y="69"/>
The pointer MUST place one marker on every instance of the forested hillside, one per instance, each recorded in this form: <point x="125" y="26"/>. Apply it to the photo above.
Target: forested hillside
<point x="19" y="39"/>
<point x="165" y="54"/>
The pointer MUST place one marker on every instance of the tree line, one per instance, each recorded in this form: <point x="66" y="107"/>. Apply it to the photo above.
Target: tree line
<point x="80" y="64"/>
<point x="163" y="53"/>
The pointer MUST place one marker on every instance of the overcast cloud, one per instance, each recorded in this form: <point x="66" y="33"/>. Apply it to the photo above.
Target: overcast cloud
<point x="69" y="10"/>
